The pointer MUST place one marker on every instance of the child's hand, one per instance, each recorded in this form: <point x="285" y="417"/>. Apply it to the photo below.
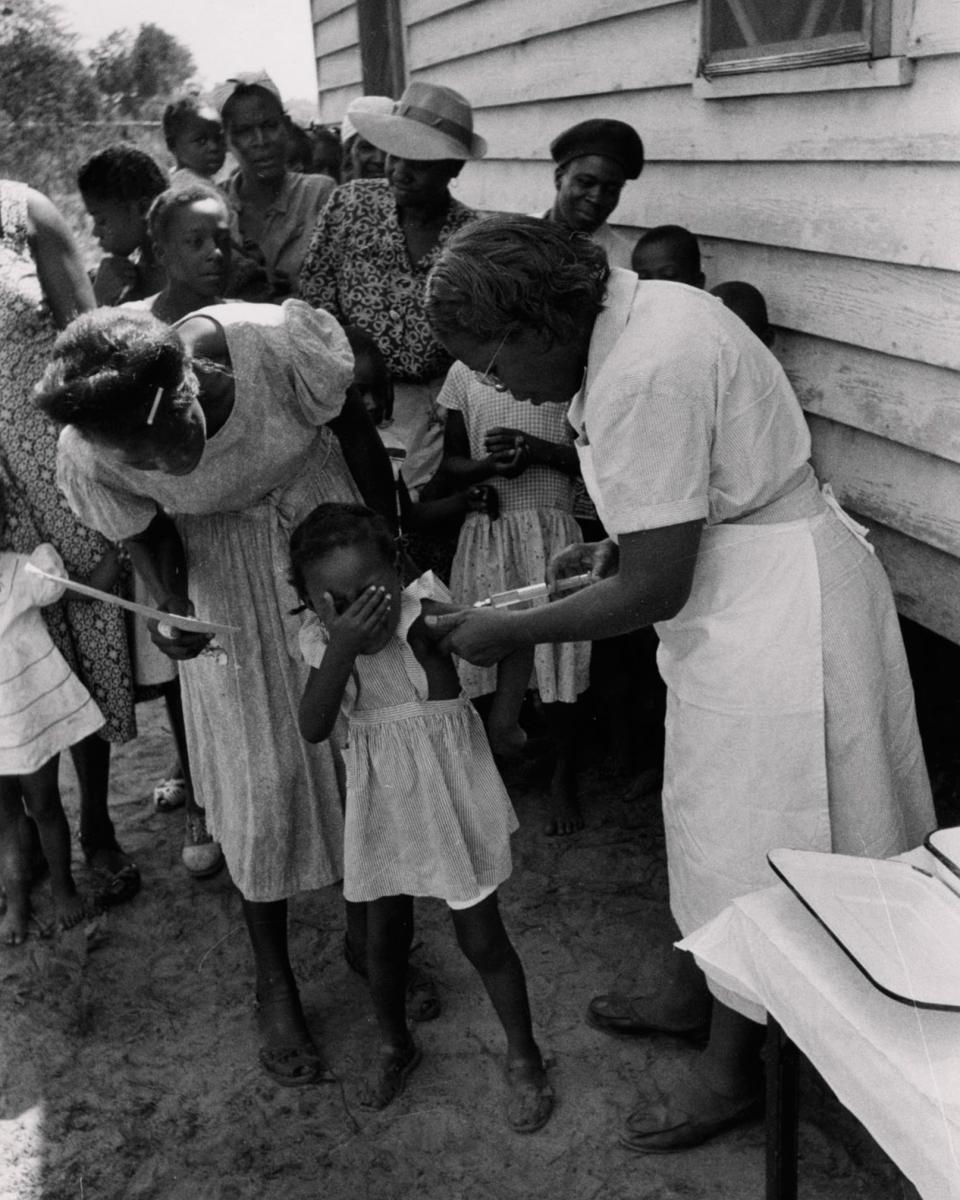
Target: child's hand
<point x="359" y="629"/>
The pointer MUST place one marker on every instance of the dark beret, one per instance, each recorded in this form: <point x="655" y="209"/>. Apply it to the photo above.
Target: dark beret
<point x="609" y="139"/>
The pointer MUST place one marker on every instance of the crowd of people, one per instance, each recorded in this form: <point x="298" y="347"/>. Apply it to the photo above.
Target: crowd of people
<point x="347" y="418"/>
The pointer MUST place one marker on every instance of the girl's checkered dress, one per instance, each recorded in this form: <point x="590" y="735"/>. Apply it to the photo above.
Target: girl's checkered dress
<point x="427" y="813"/>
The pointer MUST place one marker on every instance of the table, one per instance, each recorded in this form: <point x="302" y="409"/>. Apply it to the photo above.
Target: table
<point x="894" y="1066"/>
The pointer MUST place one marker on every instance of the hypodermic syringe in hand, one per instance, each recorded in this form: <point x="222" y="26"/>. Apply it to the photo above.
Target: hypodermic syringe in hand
<point x="535" y="591"/>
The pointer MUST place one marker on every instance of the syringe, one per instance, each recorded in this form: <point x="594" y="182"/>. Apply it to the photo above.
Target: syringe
<point x="534" y="591"/>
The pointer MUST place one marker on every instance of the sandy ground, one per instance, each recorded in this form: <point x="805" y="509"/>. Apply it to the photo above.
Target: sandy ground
<point x="128" y="1061"/>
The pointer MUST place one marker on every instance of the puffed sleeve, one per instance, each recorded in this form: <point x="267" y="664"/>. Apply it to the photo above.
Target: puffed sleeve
<point x="453" y="394"/>
<point x="100" y="502"/>
<point x="320" y="361"/>
<point x="318" y="275"/>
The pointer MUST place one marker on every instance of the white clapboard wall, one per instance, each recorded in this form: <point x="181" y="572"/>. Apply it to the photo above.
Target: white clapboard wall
<point x="842" y="204"/>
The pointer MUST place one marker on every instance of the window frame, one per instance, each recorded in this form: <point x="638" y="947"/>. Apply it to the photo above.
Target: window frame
<point x="873" y="42"/>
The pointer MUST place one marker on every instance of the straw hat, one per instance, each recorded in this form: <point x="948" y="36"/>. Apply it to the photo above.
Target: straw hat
<point x="362" y="104"/>
<point x="429" y="122"/>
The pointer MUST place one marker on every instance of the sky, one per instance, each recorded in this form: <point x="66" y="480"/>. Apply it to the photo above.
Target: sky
<point x="223" y="36"/>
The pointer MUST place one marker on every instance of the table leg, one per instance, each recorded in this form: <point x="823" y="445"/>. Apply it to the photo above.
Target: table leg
<point x="782" y="1114"/>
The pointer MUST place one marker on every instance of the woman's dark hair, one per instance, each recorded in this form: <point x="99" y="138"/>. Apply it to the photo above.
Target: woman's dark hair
<point x="168" y="203"/>
<point x="106" y="369"/>
<point x="179" y="113"/>
<point x="333" y="527"/>
<point x="512" y="273"/>
<point x="121" y="173"/>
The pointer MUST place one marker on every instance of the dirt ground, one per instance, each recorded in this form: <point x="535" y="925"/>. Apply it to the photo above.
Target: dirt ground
<point x="128" y="1066"/>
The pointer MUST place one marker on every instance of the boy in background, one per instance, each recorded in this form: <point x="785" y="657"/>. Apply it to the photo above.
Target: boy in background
<point x="668" y="252"/>
<point x="118" y="186"/>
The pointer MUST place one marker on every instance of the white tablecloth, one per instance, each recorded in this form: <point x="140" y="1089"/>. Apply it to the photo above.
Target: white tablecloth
<point x="896" y="1067"/>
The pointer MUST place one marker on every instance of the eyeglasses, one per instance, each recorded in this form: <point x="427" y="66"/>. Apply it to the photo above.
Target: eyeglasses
<point x="489" y="377"/>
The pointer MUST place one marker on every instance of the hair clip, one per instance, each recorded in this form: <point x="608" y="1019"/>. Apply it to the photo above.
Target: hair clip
<point x="153" y="407"/>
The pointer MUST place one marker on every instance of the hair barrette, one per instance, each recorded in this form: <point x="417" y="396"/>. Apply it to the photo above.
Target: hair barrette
<point x="153" y="407"/>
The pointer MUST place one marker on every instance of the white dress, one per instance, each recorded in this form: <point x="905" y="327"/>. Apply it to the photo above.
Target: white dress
<point x="535" y="522"/>
<point x="44" y="708"/>
<point x="427" y="813"/>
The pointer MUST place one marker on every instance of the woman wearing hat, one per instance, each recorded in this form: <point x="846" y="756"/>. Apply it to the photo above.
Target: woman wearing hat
<point x="790" y="716"/>
<point x="376" y="241"/>
<point x="594" y="160"/>
<point x="276" y="208"/>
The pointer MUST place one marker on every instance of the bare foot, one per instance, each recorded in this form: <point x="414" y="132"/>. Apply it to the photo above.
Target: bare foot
<point x="566" y="817"/>
<point x="13" y="925"/>
<point x="70" y="911"/>
<point x="288" y="1053"/>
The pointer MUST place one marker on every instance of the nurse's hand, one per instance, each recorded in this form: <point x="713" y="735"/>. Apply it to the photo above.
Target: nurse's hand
<point x="476" y="634"/>
<point x="598" y="559"/>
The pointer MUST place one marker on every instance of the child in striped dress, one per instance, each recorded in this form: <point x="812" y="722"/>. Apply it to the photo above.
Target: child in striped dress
<point x="44" y="708"/>
<point x="426" y="810"/>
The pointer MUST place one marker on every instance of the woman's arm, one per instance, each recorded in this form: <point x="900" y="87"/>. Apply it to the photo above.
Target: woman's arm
<point x="158" y="558"/>
<point x="62" y="276"/>
<point x="652" y="584"/>
<point x="366" y="457"/>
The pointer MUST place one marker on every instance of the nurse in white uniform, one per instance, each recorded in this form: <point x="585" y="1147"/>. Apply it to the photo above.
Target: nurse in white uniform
<point x="790" y="717"/>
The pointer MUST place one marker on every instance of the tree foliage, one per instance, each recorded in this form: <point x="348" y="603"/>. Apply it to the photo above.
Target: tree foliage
<point x="138" y="74"/>
<point x="42" y="76"/>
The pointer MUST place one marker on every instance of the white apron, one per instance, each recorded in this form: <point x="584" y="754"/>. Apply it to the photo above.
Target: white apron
<point x="745" y="766"/>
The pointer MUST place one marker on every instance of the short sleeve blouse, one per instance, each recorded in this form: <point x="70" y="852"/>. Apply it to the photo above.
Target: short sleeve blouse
<point x="685" y="413"/>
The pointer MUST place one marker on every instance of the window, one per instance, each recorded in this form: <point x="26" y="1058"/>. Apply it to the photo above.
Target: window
<point x="739" y="36"/>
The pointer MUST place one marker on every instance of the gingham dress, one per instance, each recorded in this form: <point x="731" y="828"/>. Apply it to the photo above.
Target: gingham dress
<point x="427" y="813"/>
<point x="535" y="522"/>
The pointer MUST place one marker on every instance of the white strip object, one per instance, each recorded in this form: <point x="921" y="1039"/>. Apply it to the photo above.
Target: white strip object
<point x="190" y="624"/>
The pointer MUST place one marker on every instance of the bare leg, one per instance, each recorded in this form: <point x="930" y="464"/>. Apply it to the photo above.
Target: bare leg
<point x="91" y="760"/>
<point x="288" y="1053"/>
<point x="514" y="672"/>
<point x="41" y="795"/>
<point x="13" y="864"/>
<point x="201" y="855"/>
<point x="486" y="944"/>
<point x="389" y="934"/>
<point x="565" y="814"/>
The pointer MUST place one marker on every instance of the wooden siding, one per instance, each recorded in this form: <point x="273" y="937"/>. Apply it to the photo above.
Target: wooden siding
<point x="842" y="206"/>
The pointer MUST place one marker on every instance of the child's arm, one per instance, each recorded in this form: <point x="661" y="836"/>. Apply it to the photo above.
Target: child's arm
<point x="158" y="558"/>
<point x="366" y="457"/>
<point x="356" y="630"/>
<point x="533" y="451"/>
